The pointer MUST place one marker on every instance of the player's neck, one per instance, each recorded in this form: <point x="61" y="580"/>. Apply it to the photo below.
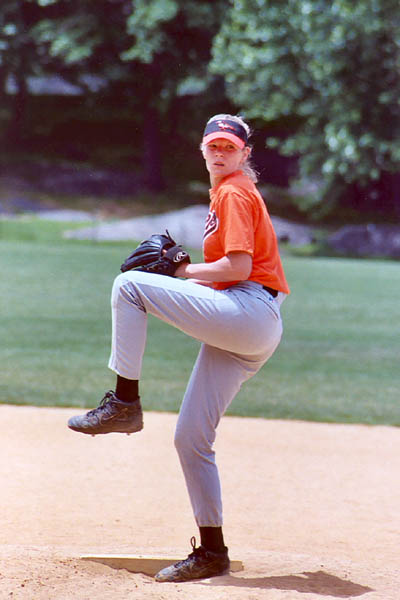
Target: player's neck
<point x="215" y="180"/>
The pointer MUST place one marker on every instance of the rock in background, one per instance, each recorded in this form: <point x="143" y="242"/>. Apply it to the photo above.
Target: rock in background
<point x="367" y="241"/>
<point x="186" y="226"/>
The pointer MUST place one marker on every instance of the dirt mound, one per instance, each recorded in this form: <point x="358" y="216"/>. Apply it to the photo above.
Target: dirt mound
<point x="310" y="509"/>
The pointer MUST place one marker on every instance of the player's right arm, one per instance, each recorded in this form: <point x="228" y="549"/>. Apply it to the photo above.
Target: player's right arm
<point x="235" y="266"/>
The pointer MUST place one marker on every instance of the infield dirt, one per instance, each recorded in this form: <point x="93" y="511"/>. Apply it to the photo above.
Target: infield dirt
<point x="311" y="509"/>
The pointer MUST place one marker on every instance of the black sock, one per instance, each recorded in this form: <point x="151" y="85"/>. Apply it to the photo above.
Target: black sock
<point x="212" y="539"/>
<point x="127" y="390"/>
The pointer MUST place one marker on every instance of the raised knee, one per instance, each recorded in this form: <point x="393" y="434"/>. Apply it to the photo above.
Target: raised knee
<point x="116" y="289"/>
<point x="124" y="289"/>
<point x="118" y="283"/>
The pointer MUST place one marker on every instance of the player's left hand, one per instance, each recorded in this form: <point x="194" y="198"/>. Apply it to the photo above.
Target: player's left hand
<point x="158" y="254"/>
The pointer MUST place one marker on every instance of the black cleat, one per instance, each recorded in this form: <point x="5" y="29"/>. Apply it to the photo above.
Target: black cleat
<point x="112" y="415"/>
<point x="200" y="564"/>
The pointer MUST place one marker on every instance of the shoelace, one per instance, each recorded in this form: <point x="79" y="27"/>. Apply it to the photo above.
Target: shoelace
<point x="105" y="400"/>
<point x="196" y="551"/>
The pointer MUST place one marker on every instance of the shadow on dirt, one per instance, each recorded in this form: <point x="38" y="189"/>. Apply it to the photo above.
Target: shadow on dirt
<point x="320" y="583"/>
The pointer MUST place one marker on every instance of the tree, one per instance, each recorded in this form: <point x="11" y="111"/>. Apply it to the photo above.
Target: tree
<point x="149" y="54"/>
<point x="335" y="66"/>
<point x="44" y="37"/>
<point x="170" y="56"/>
<point x="16" y="58"/>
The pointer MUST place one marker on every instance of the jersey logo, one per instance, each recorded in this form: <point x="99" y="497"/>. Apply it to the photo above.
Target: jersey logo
<point x="211" y="225"/>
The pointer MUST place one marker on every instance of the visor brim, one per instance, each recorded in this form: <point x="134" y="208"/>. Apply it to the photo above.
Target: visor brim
<point x="226" y="136"/>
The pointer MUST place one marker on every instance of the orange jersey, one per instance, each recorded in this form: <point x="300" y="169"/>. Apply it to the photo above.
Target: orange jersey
<point x="238" y="221"/>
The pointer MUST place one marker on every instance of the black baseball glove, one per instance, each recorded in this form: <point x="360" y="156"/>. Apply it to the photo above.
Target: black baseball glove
<point x="159" y="254"/>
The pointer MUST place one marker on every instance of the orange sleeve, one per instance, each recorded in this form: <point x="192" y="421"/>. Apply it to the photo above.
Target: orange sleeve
<point x="236" y="223"/>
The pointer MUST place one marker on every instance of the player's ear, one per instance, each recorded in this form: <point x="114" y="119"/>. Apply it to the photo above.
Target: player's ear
<point x="246" y="154"/>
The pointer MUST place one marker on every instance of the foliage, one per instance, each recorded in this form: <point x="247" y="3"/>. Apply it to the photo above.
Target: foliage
<point x="177" y="36"/>
<point x="104" y="36"/>
<point x="145" y="54"/>
<point x="171" y="49"/>
<point x="327" y="73"/>
<point x="335" y="65"/>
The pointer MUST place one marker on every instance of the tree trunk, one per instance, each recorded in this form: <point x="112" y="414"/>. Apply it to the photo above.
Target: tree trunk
<point x="20" y="71"/>
<point x="152" y="152"/>
<point x="16" y="128"/>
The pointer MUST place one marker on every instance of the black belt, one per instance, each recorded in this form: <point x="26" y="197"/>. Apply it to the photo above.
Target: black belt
<point x="273" y="293"/>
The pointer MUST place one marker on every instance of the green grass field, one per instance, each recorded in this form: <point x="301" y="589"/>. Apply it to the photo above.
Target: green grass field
<point x="338" y="360"/>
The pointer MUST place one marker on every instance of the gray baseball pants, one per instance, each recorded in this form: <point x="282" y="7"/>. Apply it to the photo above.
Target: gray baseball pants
<point x="239" y="329"/>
